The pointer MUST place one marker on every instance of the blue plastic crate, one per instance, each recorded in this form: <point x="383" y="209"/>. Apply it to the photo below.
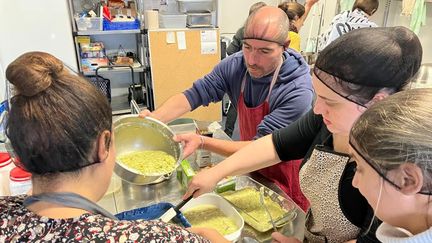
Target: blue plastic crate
<point x="108" y="25"/>
<point x="152" y="212"/>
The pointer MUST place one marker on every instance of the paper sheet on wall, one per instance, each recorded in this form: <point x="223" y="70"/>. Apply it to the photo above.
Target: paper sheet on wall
<point x="170" y="37"/>
<point x="208" y="42"/>
<point x="181" y="40"/>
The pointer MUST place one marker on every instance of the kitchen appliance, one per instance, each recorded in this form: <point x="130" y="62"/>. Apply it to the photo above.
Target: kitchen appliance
<point x="133" y="133"/>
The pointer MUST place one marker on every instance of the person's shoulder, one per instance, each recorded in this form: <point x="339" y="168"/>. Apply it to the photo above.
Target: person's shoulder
<point x="291" y="54"/>
<point x="240" y="33"/>
<point x="233" y="61"/>
<point x="294" y="66"/>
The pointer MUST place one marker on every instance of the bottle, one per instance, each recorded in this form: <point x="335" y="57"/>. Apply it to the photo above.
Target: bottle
<point x="20" y="181"/>
<point x="6" y="166"/>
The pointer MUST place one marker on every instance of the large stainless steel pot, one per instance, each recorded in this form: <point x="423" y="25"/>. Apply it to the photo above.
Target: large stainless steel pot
<point x="137" y="134"/>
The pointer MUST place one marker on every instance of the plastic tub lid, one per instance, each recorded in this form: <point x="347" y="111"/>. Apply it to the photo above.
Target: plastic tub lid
<point x="152" y="212"/>
<point x="18" y="174"/>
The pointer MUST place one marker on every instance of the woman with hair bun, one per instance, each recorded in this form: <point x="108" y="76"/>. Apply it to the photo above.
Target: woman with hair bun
<point x="392" y="145"/>
<point x="60" y="127"/>
<point x="352" y="73"/>
<point x="297" y="15"/>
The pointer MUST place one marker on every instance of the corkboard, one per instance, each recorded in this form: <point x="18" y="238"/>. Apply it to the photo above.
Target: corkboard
<point x="174" y="70"/>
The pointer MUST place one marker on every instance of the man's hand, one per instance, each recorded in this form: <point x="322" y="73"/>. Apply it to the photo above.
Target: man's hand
<point x="190" y="141"/>
<point x="280" y="238"/>
<point x="145" y="113"/>
<point x="310" y="3"/>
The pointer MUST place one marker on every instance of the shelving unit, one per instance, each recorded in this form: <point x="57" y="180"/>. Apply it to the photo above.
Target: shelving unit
<point x="120" y="77"/>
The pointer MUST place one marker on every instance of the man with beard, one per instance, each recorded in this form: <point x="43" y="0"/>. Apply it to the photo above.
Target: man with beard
<point x="269" y="85"/>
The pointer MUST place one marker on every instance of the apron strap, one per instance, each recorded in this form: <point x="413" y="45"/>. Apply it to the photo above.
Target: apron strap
<point x="69" y="199"/>
<point x="272" y="83"/>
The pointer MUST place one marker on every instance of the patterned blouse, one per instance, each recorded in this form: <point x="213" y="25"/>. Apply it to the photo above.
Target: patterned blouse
<point x="18" y="224"/>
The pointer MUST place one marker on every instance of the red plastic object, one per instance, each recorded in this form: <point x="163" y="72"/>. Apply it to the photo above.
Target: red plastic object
<point x="18" y="174"/>
<point x="107" y="13"/>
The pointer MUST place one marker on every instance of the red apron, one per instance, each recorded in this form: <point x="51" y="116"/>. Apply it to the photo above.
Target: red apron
<point x="284" y="174"/>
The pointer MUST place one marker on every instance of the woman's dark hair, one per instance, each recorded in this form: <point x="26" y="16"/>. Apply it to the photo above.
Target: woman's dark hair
<point x="56" y="116"/>
<point x="367" y="6"/>
<point x="364" y="61"/>
<point x="294" y="7"/>
<point x="292" y="18"/>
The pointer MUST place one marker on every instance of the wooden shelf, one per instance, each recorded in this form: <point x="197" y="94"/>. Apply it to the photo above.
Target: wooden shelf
<point x="138" y="69"/>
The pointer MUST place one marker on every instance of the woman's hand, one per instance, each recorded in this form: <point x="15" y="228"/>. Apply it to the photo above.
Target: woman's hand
<point x="209" y="234"/>
<point x="190" y="141"/>
<point x="280" y="238"/>
<point x="203" y="182"/>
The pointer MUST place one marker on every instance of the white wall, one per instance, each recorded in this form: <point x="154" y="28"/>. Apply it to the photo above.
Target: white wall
<point x="233" y="13"/>
<point x="36" y="25"/>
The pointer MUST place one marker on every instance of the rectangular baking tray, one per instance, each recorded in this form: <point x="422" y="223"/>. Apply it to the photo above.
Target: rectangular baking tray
<point x="242" y="182"/>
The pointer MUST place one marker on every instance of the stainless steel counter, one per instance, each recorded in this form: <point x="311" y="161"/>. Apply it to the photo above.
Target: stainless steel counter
<point x="130" y="196"/>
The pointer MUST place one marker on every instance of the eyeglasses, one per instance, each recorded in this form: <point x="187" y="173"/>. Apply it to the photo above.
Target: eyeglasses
<point x="379" y="170"/>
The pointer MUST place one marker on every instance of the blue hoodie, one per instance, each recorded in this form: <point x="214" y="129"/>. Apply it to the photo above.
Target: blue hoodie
<point x="290" y="98"/>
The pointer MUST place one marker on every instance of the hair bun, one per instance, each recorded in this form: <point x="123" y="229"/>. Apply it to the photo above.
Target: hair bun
<point x="33" y="72"/>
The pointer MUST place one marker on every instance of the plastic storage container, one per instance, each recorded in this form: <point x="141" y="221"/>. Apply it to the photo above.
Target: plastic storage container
<point x="6" y="166"/>
<point x="195" y="5"/>
<point x="175" y="21"/>
<point x="88" y="23"/>
<point x="20" y="181"/>
<point x="199" y="19"/>
<point x="127" y="25"/>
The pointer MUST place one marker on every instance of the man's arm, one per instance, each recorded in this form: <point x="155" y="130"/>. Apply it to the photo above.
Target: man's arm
<point x="173" y="108"/>
<point x="308" y="6"/>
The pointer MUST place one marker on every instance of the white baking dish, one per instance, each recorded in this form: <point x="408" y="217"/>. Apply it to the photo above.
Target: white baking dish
<point x="225" y="207"/>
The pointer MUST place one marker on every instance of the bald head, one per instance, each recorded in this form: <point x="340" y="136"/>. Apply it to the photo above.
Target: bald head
<point x="268" y="23"/>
